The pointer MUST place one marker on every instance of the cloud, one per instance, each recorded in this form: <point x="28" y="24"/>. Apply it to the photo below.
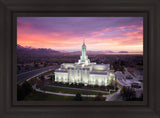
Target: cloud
<point x="67" y="32"/>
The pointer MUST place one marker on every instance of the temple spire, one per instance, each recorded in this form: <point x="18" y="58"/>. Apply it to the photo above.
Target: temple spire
<point x="84" y="58"/>
<point x="83" y="38"/>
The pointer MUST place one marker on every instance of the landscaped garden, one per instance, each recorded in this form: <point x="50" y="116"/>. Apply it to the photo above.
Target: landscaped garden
<point x="50" y="85"/>
<point x="71" y="91"/>
<point x="38" y="96"/>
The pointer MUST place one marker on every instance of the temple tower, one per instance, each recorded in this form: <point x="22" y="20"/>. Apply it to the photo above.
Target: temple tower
<point x="84" y="58"/>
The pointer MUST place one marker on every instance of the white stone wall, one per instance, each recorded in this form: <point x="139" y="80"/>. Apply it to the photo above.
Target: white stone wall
<point x="71" y="75"/>
<point x="84" y="76"/>
<point x="61" y="77"/>
<point x="99" y="80"/>
<point x="78" y="76"/>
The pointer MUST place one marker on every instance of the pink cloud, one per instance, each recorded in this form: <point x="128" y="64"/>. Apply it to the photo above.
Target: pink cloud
<point x="97" y="40"/>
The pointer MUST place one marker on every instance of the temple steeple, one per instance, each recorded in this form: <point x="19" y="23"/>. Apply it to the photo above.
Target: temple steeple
<point x="83" y="49"/>
<point x="84" y="58"/>
<point x="83" y="38"/>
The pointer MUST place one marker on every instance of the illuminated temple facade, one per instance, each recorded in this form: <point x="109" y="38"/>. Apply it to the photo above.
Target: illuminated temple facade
<point x="84" y="72"/>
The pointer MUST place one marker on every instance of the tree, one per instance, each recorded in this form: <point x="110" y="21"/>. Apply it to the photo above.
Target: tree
<point x="20" y="93"/>
<point x="27" y="88"/>
<point x="52" y="78"/>
<point x="99" y="97"/>
<point x="35" y="65"/>
<point x="128" y="93"/>
<point x="116" y="87"/>
<point x="24" y="90"/>
<point x="78" y="97"/>
<point x="42" y="77"/>
<point x="122" y="63"/>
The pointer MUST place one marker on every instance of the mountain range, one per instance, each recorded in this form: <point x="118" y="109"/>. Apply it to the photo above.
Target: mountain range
<point x="44" y="51"/>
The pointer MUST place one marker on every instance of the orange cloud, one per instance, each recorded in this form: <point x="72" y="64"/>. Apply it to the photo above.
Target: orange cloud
<point x="130" y="41"/>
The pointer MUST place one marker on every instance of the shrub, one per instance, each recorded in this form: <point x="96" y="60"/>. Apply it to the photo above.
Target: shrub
<point x="24" y="90"/>
<point x="78" y="97"/>
<point x="99" y="97"/>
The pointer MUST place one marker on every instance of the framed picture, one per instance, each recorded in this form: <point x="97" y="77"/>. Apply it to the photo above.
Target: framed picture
<point x="55" y="68"/>
<point x="79" y="59"/>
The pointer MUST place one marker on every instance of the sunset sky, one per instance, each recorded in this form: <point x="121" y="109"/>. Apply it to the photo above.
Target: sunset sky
<point x="66" y="33"/>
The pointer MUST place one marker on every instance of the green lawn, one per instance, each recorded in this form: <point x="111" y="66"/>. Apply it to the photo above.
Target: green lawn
<point x="32" y="81"/>
<point x="38" y="96"/>
<point x="113" y="92"/>
<point x="72" y="91"/>
<point x="47" y="73"/>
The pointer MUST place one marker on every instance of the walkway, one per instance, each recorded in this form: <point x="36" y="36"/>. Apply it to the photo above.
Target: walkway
<point x="114" y="96"/>
<point x="62" y="94"/>
<point x="109" y="97"/>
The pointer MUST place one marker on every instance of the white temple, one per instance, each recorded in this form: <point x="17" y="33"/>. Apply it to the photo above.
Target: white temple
<point x="84" y="72"/>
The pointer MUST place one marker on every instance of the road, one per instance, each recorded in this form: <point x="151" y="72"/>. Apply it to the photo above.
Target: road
<point x="25" y="75"/>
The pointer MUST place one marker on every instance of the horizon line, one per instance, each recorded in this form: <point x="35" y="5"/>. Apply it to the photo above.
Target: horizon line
<point x="71" y="50"/>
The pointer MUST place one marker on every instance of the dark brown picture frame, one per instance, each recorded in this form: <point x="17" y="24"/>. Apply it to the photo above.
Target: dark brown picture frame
<point x="11" y="108"/>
